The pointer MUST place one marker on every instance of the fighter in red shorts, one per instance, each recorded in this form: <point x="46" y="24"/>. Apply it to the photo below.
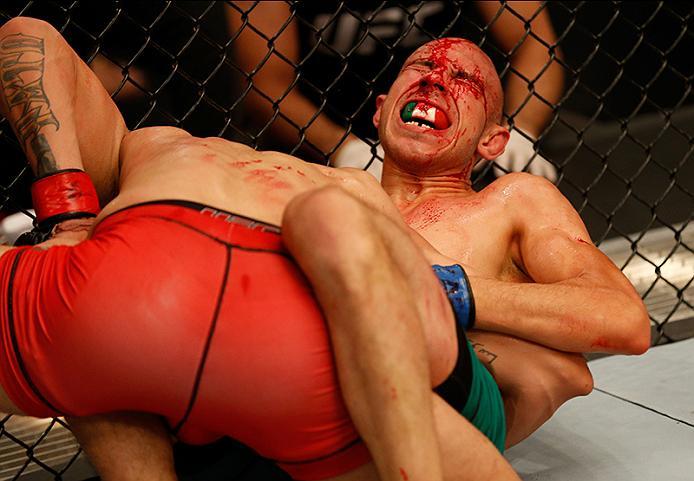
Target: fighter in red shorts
<point x="87" y="305"/>
<point x="167" y="309"/>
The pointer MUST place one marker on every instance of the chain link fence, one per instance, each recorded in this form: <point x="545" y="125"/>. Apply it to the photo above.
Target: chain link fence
<point x="619" y="132"/>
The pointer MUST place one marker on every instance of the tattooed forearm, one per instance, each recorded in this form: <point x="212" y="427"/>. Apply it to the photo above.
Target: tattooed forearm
<point x="29" y="110"/>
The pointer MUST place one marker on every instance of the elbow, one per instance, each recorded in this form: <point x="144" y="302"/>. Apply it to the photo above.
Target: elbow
<point x="640" y="328"/>
<point x="641" y="337"/>
<point x="635" y="329"/>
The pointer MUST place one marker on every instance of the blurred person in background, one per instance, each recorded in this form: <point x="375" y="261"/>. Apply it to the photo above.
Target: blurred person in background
<point x="316" y="67"/>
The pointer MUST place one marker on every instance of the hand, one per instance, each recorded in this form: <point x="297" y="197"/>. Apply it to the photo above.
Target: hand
<point x="358" y="153"/>
<point x="518" y="153"/>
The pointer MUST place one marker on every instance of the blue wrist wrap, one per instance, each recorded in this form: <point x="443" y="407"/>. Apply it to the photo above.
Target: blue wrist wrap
<point x="457" y="287"/>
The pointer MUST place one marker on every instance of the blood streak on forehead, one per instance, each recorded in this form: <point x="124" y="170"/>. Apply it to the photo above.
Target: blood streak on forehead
<point x="478" y="74"/>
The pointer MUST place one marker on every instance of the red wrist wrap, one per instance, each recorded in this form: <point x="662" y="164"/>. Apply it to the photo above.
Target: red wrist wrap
<point x="63" y="193"/>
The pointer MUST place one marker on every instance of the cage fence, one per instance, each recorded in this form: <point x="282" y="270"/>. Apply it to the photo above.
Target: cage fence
<point x="619" y="132"/>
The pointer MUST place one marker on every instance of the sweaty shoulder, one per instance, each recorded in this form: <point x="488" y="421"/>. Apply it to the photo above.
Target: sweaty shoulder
<point x="535" y="201"/>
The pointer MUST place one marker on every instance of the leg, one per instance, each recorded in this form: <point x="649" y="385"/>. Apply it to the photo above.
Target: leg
<point x="126" y="446"/>
<point x="381" y="300"/>
<point x="534" y="380"/>
<point x="467" y="454"/>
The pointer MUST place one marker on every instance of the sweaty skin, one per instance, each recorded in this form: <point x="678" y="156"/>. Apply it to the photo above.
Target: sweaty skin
<point x="166" y="163"/>
<point x="213" y="171"/>
<point x="519" y="236"/>
<point x="520" y="228"/>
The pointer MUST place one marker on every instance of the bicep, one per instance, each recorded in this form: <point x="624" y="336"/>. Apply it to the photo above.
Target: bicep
<point x="555" y="246"/>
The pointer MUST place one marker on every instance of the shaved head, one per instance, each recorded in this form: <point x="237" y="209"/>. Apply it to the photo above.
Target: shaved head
<point x="446" y="50"/>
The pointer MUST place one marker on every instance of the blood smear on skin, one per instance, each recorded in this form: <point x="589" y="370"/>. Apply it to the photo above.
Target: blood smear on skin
<point x="244" y="163"/>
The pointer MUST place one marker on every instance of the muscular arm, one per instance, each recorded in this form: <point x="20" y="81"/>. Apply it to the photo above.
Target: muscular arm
<point x="272" y="77"/>
<point x="530" y="58"/>
<point x="59" y="111"/>
<point x="580" y="301"/>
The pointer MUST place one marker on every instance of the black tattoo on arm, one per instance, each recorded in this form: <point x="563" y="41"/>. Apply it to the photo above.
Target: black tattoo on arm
<point x="21" y="74"/>
<point x="485" y="355"/>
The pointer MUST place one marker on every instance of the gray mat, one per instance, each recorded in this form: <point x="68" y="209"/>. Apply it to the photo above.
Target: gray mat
<point x="638" y="424"/>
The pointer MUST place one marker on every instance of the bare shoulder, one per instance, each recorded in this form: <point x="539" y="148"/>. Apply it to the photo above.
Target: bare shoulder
<point x="535" y="201"/>
<point x="521" y="185"/>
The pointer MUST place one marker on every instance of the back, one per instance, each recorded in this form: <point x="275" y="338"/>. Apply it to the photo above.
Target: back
<point x="168" y="163"/>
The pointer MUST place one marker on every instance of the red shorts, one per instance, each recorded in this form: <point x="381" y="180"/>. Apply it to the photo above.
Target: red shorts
<point x="187" y="312"/>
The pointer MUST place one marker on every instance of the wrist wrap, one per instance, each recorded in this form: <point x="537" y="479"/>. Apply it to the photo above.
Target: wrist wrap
<point x="62" y="195"/>
<point x="457" y="286"/>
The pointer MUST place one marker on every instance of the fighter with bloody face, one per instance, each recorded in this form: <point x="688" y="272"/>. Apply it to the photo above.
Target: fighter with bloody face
<point x="445" y="106"/>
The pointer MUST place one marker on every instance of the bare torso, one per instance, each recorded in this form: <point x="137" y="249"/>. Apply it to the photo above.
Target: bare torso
<point x="169" y="163"/>
<point x="478" y="230"/>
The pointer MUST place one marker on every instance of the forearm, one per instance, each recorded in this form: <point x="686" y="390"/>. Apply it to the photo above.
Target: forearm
<point x="524" y="30"/>
<point x="268" y="52"/>
<point x="62" y="116"/>
<point x="532" y="106"/>
<point x="565" y="316"/>
<point x="35" y="70"/>
<point x="299" y="121"/>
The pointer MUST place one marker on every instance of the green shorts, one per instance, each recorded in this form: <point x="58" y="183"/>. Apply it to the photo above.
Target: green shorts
<point x="472" y="391"/>
<point x="484" y="406"/>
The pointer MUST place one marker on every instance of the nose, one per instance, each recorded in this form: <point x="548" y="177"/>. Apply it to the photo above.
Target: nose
<point x="433" y="79"/>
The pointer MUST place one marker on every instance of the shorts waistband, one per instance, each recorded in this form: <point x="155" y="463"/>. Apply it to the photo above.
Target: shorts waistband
<point x="217" y="223"/>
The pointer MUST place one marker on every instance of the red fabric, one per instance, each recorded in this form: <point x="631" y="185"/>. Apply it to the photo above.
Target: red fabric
<point x="121" y="322"/>
<point x="64" y="192"/>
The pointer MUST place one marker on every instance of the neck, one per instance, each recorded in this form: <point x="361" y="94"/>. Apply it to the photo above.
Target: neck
<point x="406" y="188"/>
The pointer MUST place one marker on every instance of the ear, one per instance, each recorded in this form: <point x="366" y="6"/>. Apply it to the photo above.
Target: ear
<point x="493" y="142"/>
<point x="377" y="115"/>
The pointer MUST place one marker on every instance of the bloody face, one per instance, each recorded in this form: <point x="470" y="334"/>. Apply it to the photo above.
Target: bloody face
<point x="439" y="105"/>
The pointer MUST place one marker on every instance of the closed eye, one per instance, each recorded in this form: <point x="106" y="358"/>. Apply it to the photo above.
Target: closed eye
<point x="422" y="63"/>
<point x="463" y="75"/>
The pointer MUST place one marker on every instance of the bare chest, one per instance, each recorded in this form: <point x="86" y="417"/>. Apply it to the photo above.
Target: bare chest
<point x="478" y="234"/>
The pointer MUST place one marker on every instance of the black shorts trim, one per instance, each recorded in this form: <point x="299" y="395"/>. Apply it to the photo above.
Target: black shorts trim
<point x="249" y="222"/>
<point x="455" y="390"/>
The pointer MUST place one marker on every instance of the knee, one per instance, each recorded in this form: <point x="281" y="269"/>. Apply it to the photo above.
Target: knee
<point x="313" y="207"/>
<point x="568" y="377"/>
<point x="571" y="377"/>
<point x="581" y="382"/>
<point x="328" y="221"/>
<point x="565" y="377"/>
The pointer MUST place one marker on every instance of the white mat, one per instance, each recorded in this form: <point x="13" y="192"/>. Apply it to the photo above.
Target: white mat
<point x="646" y="436"/>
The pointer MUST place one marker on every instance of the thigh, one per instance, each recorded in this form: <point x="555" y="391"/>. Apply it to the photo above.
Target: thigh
<point x="534" y="380"/>
<point x="516" y="362"/>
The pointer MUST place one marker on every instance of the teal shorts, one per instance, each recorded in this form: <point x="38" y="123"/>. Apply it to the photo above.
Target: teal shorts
<point x="472" y="391"/>
<point x="485" y="407"/>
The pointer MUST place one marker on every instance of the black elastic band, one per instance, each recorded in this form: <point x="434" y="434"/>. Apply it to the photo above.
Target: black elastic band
<point x="455" y="390"/>
<point x="202" y="208"/>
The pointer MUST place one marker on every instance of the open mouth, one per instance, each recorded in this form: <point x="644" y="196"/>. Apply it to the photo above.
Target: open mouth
<point x="424" y="115"/>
